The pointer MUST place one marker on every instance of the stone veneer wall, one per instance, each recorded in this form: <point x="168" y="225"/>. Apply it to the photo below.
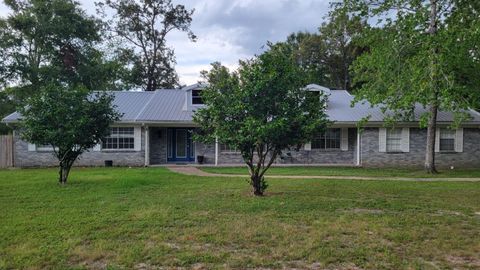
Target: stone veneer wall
<point x="25" y="158"/>
<point x="371" y="157"/>
<point x="158" y="145"/>
<point x="314" y="156"/>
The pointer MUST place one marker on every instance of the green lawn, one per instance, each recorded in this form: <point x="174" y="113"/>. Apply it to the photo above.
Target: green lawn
<point x="120" y="218"/>
<point x="349" y="171"/>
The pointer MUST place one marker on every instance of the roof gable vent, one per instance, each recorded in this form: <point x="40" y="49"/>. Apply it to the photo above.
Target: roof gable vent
<point x="316" y="87"/>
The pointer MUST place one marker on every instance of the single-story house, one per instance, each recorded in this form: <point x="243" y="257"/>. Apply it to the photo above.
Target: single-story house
<point x="156" y="129"/>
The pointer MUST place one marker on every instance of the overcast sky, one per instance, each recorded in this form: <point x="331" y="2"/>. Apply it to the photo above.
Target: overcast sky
<point x="229" y="30"/>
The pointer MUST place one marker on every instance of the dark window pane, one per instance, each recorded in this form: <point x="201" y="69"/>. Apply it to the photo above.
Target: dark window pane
<point x="197" y="97"/>
<point x="447" y="144"/>
<point x="328" y="140"/>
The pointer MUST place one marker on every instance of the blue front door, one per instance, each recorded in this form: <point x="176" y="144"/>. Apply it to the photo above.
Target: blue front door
<point x="179" y="145"/>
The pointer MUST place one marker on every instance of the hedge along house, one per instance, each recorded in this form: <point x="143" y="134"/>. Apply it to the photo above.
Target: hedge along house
<point x="156" y="128"/>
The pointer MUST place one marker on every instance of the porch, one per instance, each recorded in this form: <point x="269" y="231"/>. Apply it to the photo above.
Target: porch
<point x="175" y="145"/>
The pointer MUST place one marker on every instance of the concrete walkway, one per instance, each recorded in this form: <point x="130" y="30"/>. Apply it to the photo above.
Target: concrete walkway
<point x="187" y="170"/>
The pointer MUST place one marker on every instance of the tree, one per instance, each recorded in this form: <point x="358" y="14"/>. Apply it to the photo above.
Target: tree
<point x="145" y="24"/>
<point x="51" y="41"/>
<point x="421" y="52"/>
<point x="6" y="107"/>
<point x="261" y="109"/>
<point x="69" y="120"/>
<point x="328" y="54"/>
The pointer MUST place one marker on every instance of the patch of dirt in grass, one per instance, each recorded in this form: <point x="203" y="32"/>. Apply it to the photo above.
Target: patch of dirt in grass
<point x="318" y="266"/>
<point x="464" y="261"/>
<point x="89" y="258"/>
<point x="448" y="213"/>
<point x="365" y="211"/>
<point x="145" y="266"/>
<point x="172" y="245"/>
<point x="100" y="263"/>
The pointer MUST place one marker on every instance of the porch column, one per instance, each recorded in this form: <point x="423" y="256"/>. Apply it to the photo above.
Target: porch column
<point x="216" y="151"/>
<point x="358" y="147"/>
<point x="147" y="146"/>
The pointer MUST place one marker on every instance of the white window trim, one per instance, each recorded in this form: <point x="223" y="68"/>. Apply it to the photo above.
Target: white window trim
<point x="343" y="143"/>
<point x="404" y="144"/>
<point x="331" y="149"/>
<point x="191" y="99"/>
<point x="458" y="141"/>
<point x="34" y="148"/>
<point x="44" y="148"/>
<point x="137" y="142"/>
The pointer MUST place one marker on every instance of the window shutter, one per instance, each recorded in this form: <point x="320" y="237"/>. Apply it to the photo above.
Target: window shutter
<point x="138" y="138"/>
<point x="459" y="140"/>
<point x="308" y="146"/>
<point x="405" y="139"/>
<point x="382" y="140"/>
<point x="32" y="147"/>
<point x="97" y="147"/>
<point x="437" y="140"/>
<point x="344" y="139"/>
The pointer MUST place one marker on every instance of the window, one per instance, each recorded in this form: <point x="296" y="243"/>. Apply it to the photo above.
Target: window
<point x="225" y="148"/>
<point x="44" y="147"/>
<point x="447" y="139"/>
<point x="328" y="140"/>
<point x="394" y="140"/>
<point x="197" y="97"/>
<point x="119" y="138"/>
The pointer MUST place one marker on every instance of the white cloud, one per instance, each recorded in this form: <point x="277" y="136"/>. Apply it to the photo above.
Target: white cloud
<point x="229" y="30"/>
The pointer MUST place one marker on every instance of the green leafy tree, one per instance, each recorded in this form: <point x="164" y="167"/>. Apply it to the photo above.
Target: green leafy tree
<point x="421" y="52"/>
<point x="7" y="106"/>
<point x="51" y="41"/>
<point x="328" y="54"/>
<point x="145" y="24"/>
<point x="261" y="109"/>
<point x="69" y="120"/>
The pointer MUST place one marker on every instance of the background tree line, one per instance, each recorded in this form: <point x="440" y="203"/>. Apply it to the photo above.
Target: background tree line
<point x="395" y="53"/>
<point x="54" y="42"/>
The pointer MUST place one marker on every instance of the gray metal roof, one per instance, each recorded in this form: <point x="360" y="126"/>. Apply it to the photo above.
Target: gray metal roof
<point x="169" y="105"/>
<point x="339" y="110"/>
<point x="166" y="106"/>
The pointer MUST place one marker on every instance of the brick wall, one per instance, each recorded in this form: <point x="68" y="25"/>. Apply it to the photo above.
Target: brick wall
<point x="371" y="157"/>
<point x="25" y="158"/>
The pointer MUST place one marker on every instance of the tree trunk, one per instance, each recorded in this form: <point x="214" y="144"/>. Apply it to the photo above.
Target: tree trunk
<point x="151" y="80"/>
<point x="432" y="121"/>
<point x="64" y="172"/>
<point x="431" y="130"/>
<point x="257" y="185"/>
